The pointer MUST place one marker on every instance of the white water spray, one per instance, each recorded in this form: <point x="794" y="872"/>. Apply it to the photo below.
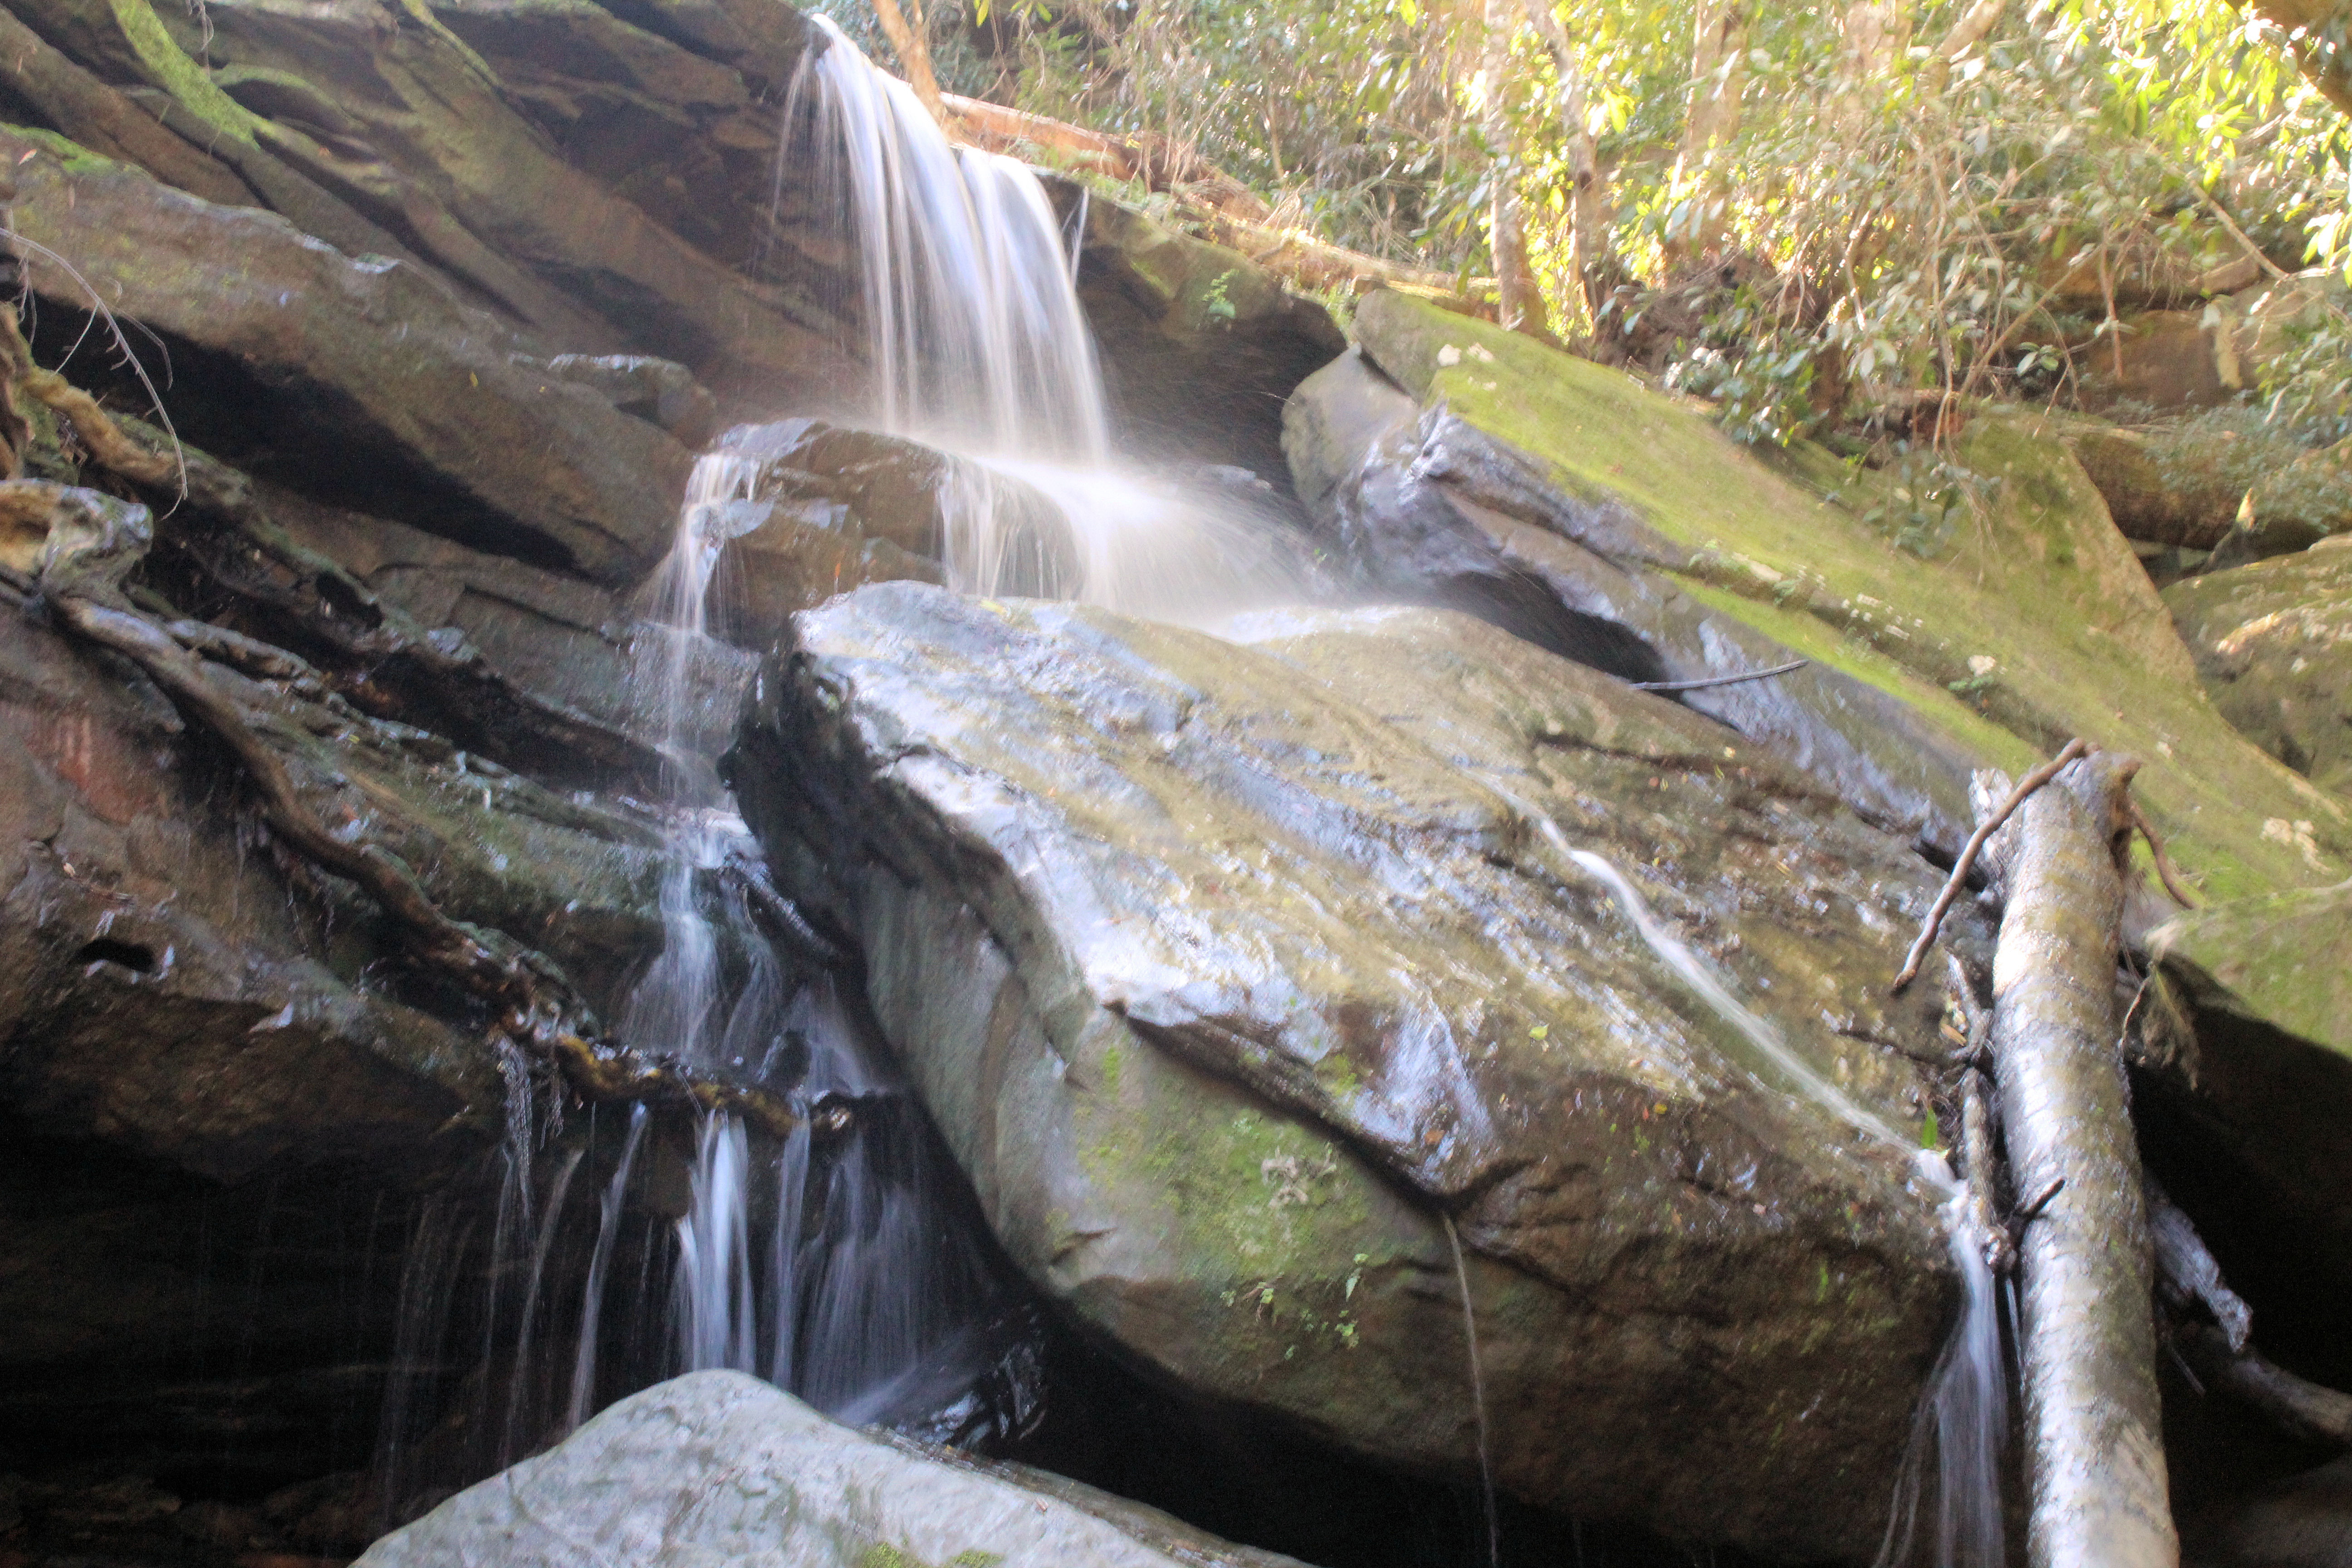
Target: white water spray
<point x="980" y="347"/>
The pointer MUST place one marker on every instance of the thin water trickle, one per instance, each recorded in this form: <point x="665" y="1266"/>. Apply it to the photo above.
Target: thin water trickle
<point x="1477" y="1399"/>
<point x="1966" y="1412"/>
<point x="600" y="1263"/>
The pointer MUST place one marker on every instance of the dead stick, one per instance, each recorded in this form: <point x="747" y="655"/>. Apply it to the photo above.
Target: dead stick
<point x="1968" y="852"/>
<point x="2163" y="862"/>
<point x="1720" y="679"/>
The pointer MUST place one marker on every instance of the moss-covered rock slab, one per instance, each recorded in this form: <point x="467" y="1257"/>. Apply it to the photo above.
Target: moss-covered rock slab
<point x="2030" y="623"/>
<point x="1234" y="971"/>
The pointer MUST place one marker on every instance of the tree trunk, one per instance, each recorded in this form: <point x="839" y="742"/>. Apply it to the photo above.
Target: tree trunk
<point x="912" y="45"/>
<point x="2095" y="1454"/>
<point x="2321" y="31"/>
<point x="1518" y="300"/>
<point x="1972" y="29"/>
<point x="1718" y="82"/>
<point x="1591" y="206"/>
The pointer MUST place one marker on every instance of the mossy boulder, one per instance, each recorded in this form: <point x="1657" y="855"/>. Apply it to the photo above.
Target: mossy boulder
<point x="2028" y="623"/>
<point x="2225" y="482"/>
<point x="2273" y="646"/>
<point x="1234" y="971"/>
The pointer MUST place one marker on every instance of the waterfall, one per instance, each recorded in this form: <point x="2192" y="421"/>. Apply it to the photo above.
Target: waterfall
<point x="600" y="1264"/>
<point x="973" y="326"/>
<point x="979" y="346"/>
<point x="863" y="1291"/>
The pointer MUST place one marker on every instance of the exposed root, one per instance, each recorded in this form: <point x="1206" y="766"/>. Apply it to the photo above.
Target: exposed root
<point x="1959" y="879"/>
<point x="114" y="451"/>
<point x="2164" y="870"/>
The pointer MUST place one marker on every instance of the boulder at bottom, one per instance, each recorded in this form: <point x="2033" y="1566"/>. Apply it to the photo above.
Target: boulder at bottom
<point x="719" y="1468"/>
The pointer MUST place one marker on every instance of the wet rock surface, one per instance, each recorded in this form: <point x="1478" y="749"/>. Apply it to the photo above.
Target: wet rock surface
<point x="831" y="508"/>
<point x="716" y="1467"/>
<point x="1106" y="875"/>
<point x="1576" y="496"/>
<point x="2274" y="647"/>
<point x="1200" y="344"/>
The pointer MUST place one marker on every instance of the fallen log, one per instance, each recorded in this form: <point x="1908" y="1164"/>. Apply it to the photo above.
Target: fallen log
<point x="2094" y="1455"/>
<point x="2302" y="1408"/>
<point x="1225" y="209"/>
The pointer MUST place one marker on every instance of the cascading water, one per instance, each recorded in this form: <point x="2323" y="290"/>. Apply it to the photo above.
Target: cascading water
<point x="979" y="346"/>
<point x="862" y="1285"/>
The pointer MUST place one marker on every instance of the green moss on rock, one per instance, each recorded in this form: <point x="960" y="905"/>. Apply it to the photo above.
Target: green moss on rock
<point x="2034" y="623"/>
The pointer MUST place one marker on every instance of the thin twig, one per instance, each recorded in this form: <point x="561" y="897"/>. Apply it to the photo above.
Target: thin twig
<point x="2033" y="1211"/>
<point x="1720" y="680"/>
<point x="1967" y="862"/>
<point x="2163" y="862"/>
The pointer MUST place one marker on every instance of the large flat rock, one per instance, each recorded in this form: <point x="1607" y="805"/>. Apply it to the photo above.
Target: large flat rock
<point x="1234" y="974"/>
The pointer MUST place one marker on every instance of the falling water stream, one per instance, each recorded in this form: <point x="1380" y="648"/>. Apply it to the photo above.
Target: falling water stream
<point x="824" y="1261"/>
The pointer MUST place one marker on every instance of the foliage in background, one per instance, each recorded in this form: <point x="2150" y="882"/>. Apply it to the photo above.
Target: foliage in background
<point x="1891" y="214"/>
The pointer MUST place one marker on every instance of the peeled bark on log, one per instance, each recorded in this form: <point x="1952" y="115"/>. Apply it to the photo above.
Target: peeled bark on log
<point x="2088" y="1346"/>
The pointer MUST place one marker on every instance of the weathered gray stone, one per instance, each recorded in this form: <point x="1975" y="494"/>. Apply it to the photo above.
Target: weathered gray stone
<point x="1227" y="970"/>
<point x="717" y="1469"/>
